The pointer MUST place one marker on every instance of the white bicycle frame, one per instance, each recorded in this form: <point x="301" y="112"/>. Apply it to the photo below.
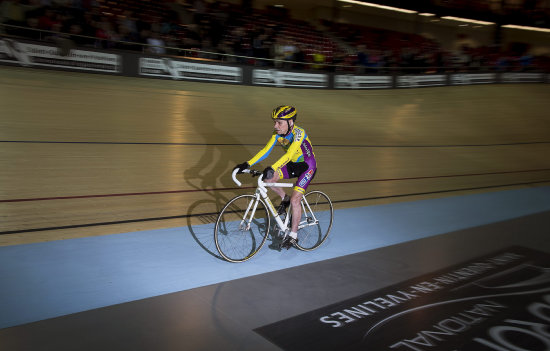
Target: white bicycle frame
<point x="261" y="192"/>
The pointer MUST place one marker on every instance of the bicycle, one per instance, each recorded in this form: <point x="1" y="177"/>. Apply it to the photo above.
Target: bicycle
<point x="244" y="223"/>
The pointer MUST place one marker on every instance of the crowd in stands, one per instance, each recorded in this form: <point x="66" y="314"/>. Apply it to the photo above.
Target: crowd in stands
<point x="231" y="33"/>
<point x="378" y="49"/>
<point x="219" y="30"/>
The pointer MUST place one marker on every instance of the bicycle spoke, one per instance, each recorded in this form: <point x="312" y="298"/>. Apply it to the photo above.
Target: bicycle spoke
<point x="234" y="241"/>
<point x="316" y="221"/>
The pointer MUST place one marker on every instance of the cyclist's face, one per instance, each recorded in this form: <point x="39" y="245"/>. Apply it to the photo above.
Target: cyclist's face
<point x="281" y="127"/>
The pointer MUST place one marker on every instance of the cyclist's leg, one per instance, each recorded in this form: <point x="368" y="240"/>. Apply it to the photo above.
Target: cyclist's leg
<point x="299" y="190"/>
<point x="295" y="200"/>
<point x="276" y="176"/>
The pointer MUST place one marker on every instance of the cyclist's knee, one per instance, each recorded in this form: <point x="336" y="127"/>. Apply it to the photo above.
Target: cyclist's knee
<point x="295" y="198"/>
<point x="273" y="179"/>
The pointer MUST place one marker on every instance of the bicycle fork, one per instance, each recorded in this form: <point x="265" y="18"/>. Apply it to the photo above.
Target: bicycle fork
<point x="247" y="219"/>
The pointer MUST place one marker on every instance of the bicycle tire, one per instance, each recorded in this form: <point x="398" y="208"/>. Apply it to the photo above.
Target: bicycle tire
<point x="313" y="235"/>
<point x="235" y="243"/>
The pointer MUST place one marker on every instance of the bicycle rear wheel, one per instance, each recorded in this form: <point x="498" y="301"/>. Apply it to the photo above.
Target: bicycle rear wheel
<point x="316" y="221"/>
<point x="241" y="228"/>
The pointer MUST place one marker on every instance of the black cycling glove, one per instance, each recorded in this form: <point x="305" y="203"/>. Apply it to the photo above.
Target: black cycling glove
<point x="268" y="173"/>
<point x="241" y="167"/>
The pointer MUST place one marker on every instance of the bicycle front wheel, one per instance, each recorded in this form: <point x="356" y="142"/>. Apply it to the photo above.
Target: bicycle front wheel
<point x="316" y="221"/>
<point x="241" y="228"/>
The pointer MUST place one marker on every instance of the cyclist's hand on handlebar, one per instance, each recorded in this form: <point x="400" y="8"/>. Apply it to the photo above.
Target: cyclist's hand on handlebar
<point x="241" y="167"/>
<point x="268" y="173"/>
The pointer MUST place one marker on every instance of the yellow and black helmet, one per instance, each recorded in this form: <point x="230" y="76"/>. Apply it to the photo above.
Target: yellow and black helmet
<point x="284" y="112"/>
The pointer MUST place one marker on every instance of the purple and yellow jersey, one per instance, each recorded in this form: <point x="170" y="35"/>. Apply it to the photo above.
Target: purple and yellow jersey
<point x="296" y="144"/>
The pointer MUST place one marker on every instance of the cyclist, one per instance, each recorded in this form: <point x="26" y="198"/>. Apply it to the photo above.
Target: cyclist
<point x="297" y="162"/>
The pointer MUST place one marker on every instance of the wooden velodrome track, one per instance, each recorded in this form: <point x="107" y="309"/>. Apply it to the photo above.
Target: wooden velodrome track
<point x="85" y="154"/>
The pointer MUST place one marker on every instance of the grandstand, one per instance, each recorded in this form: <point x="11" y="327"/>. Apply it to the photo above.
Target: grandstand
<point x="328" y="32"/>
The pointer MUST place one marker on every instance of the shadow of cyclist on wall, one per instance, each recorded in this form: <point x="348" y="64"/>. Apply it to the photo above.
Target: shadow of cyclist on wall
<point x="212" y="170"/>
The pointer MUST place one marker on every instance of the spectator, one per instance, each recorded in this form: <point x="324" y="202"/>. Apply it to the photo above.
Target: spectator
<point x="128" y="21"/>
<point x="299" y="57"/>
<point x="289" y="48"/>
<point x="128" y="39"/>
<point x="33" y="32"/>
<point x="241" y="44"/>
<point x="12" y="12"/>
<point x="88" y="23"/>
<point x="338" y="60"/>
<point x="199" y="10"/>
<point x="75" y="31"/>
<point x="101" y="33"/>
<point x="225" y="48"/>
<point x="49" y="19"/>
<point x="220" y="16"/>
<point x="207" y="49"/>
<point x="156" y="44"/>
<point x="503" y="63"/>
<point x="362" y="58"/>
<point x="318" y="59"/>
<point x="438" y="61"/>
<point x="260" y="48"/>
<point x="525" y="62"/>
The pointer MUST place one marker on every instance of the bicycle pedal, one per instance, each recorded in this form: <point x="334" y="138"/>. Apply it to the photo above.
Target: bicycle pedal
<point x="288" y="243"/>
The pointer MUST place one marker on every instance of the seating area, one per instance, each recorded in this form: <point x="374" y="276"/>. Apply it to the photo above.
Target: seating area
<point x="228" y="32"/>
<point x="291" y="40"/>
<point x="378" y="49"/>
<point x="374" y="47"/>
